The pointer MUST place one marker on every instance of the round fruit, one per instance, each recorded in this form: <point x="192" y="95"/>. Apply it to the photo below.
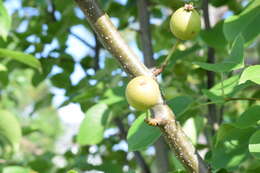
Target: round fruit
<point x="142" y="92"/>
<point x="185" y="22"/>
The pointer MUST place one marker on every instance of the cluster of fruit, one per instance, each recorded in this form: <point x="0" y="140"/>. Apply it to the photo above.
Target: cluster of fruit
<point x="143" y="92"/>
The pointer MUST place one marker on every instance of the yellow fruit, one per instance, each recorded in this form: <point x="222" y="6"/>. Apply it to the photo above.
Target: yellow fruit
<point x="185" y="23"/>
<point x="142" y="92"/>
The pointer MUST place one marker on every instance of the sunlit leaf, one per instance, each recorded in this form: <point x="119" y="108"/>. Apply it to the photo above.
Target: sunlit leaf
<point x="21" y="57"/>
<point x="16" y="169"/>
<point x="251" y="73"/>
<point x="10" y="128"/>
<point x="5" y="21"/>
<point x="93" y="126"/>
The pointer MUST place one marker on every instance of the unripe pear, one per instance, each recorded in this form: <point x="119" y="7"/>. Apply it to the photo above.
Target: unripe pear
<point x="142" y="92"/>
<point x="185" y="23"/>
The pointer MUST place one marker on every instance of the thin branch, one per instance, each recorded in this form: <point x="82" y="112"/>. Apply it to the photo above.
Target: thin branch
<point x="138" y="156"/>
<point x="159" y="70"/>
<point x="113" y="42"/>
<point x="53" y="9"/>
<point x="212" y="110"/>
<point x="81" y="39"/>
<point x="97" y="52"/>
<point x="144" y="19"/>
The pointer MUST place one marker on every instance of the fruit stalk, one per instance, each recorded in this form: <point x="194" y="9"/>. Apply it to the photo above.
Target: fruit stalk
<point x="114" y="43"/>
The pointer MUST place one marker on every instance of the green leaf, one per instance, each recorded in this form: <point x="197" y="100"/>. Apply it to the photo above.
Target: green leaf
<point x="213" y="97"/>
<point x="247" y="23"/>
<point x="234" y="62"/>
<point x="230" y="87"/>
<point x="16" y="169"/>
<point x="231" y="146"/>
<point x="5" y="21"/>
<point x="21" y="57"/>
<point x="114" y="95"/>
<point x="10" y="128"/>
<point x="254" y="144"/>
<point x="4" y="79"/>
<point x="61" y="80"/>
<point x="180" y="104"/>
<point x="215" y="37"/>
<point x="251" y="73"/>
<point x="92" y="127"/>
<point x="249" y="118"/>
<point x="141" y="135"/>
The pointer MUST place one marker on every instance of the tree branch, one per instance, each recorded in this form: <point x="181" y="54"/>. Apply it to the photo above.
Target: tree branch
<point x="81" y="39"/>
<point x="212" y="110"/>
<point x="171" y="129"/>
<point x="144" y="22"/>
<point x="97" y="52"/>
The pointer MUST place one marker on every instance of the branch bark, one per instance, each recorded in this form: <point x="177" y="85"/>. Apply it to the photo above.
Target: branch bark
<point x="171" y="129"/>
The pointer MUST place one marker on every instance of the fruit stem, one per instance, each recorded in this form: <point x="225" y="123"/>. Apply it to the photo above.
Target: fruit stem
<point x="188" y="7"/>
<point x="166" y="61"/>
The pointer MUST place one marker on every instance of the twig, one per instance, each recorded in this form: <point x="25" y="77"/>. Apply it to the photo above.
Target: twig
<point x="167" y="59"/>
<point x="81" y="39"/>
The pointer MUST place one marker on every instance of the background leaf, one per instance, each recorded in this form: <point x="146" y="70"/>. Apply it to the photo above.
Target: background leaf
<point x="247" y="23"/>
<point x="180" y="104"/>
<point x="16" y="169"/>
<point x="5" y="21"/>
<point x="249" y="118"/>
<point x="21" y="57"/>
<point x="10" y="128"/>
<point x="92" y="127"/>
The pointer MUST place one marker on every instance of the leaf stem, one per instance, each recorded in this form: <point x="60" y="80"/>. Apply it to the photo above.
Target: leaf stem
<point x="167" y="59"/>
